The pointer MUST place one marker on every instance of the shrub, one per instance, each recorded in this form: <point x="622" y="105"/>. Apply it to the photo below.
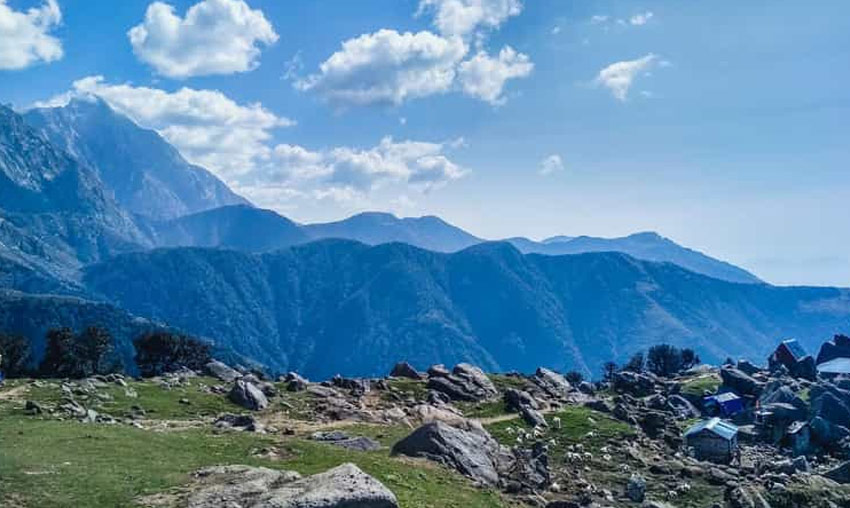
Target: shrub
<point x="16" y="355"/>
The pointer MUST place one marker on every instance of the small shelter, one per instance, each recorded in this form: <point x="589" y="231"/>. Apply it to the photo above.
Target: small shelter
<point x="724" y="404"/>
<point x="714" y="440"/>
<point x="788" y="353"/>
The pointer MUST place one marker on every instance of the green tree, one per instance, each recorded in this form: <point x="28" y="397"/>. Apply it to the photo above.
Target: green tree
<point x="635" y="363"/>
<point x="574" y="377"/>
<point x="160" y="352"/>
<point x="664" y="360"/>
<point x="15" y="350"/>
<point x="60" y="356"/>
<point x="93" y="347"/>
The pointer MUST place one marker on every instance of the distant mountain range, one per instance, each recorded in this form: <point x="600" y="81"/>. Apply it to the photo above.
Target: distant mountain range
<point x="229" y="228"/>
<point x="102" y="222"/>
<point x="338" y="306"/>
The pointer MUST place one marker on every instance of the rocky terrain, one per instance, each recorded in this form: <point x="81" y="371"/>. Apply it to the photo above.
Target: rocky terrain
<point x="445" y="437"/>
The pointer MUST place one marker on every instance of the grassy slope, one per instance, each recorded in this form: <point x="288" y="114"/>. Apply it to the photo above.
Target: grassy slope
<point x="52" y="464"/>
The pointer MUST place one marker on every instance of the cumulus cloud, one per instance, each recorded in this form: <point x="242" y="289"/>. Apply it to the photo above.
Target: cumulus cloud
<point x="215" y="37"/>
<point x="484" y="77"/>
<point x="206" y="126"/>
<point x="419" y="163"/>
<point x="641" y="19"/>
<point x="387" y="67"/>
<point x="551" y="164"/>
<point x="464" y="17"/>
<point x="25" y="36"/>
<point x="349" y="176"/>
<point x="619" y="76"/>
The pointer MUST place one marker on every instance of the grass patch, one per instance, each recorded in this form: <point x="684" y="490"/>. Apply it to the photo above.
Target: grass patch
<point x="576" y="423"/>
<point x="485" y="409"/>
<point x="53" y="464"/>
<point x="503" y="382"/>
<point x="697" y="387"/>
<point x="157" y="401"/>
<point x="408" y="388"/>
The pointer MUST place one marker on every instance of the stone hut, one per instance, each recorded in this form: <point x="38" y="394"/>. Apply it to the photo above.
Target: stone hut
<point x="714" y="440"/>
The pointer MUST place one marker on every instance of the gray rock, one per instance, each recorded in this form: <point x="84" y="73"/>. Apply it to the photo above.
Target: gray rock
<point x="633" y="383"/>
<point x="221" y="371"/>
<point x="236" y="486"/>
<point x="840" y="474"/>
<point x="438" y="370"/>
<point x="533" y="417"/>
<point x="551" y="382"/>
<point x="747" y="367"/>
<point x="241" y="422"/>
<point x="465" y="383"/>
<point x="740" y="382"/>
<point x="472" y="453"/>
<point x="636" y="488"/>
<point x="295" y="383"/>
<point x="344" y="440"/>
<point x="404" y="369"/>
<point x="344" y="486"/>
<point x="248" y="396"/>
<point x="515" y="400"/>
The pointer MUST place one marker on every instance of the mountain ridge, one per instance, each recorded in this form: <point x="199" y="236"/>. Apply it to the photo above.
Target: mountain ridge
<point x="489" y="304"/>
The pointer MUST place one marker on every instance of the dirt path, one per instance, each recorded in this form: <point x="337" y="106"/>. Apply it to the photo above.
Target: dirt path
<point x="15" y="393"/>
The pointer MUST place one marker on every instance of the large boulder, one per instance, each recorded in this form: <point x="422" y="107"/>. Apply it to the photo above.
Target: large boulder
<point x="473" y="453"/>
<point x="838" y="347"/>
<point x="344" y="486"/>
<point x="551" y="382"/>
<point x="740" y="382"/>
<point x="831" y="408"/>
<point x="634" y="383"/>
<point x="235" y="486"/>
<point x="404" y="369"/>
<point x="466" y="383"/>
<point x="515" y="400"/>
<point x="248" y="396"/>
<point x="221" y="371"/>
<point x="840" y="474"/>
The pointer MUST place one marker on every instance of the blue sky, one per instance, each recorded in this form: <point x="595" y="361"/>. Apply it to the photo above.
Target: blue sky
<point x="722" y="125"/>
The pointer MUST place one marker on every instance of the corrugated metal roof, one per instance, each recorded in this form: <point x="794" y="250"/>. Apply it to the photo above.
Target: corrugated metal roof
<point x="723" y="429"/>
<point x="835" y="366"/>
<point x="795" y="348"/>
<point x="726" y="397"/>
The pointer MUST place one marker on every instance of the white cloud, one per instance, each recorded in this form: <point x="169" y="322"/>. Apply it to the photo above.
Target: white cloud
<point x="349" y="176"/>
<point x="556" y="30"/>
<point x="641" y="19"/>
<point x="387" y="67"/>
<point x="551" y="164"/>
<point x="206" y="126"/>
<point x="215" y="37"/>
<point x="598" y="19"/>
<point x="464" y="17"/>
<point x="484" y="77"/>
<point x="25" y="36"/>
<point x="618" y="76"/>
